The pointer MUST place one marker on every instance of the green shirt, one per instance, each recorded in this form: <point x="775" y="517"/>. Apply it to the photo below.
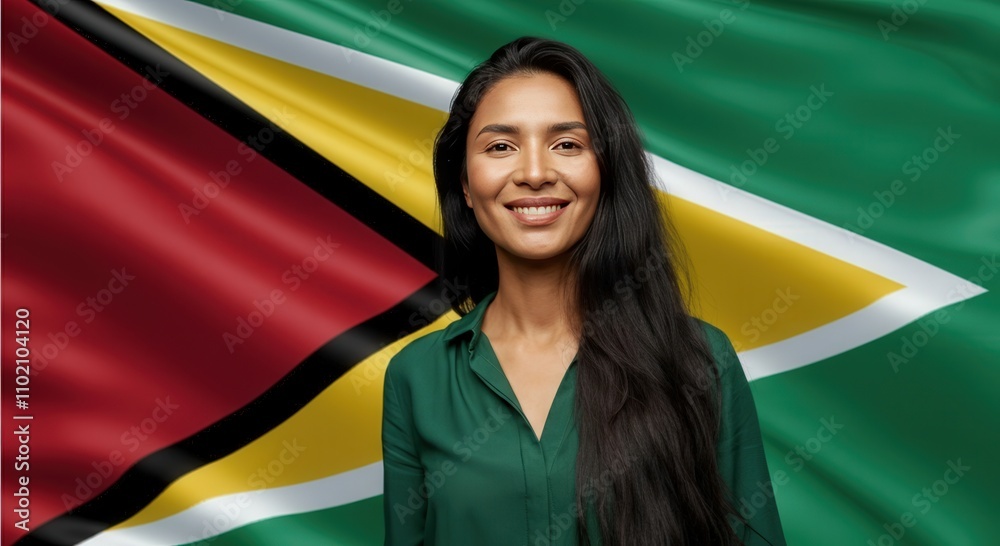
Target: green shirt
<point x="462" y="465"/>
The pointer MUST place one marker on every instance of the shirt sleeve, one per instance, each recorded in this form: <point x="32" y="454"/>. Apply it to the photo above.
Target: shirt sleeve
<point x="403" y="507"/>
<point x="742" y="463"/>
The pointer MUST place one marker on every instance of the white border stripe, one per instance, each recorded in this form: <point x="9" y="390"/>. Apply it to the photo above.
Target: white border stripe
<point x="297" y="49"/>
<point x="223" y="514"/>
<point x="796" y="226"/>
<point x="926" y="287"/>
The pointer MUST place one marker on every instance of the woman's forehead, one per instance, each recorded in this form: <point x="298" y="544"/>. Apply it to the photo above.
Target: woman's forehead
<point x="528" y="103"/>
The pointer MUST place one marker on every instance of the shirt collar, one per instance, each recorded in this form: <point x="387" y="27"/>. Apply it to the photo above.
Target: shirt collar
<point x="471" y="322"/>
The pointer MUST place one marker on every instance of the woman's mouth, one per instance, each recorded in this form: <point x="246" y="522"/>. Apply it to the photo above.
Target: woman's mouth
<point x="538" y="216"/>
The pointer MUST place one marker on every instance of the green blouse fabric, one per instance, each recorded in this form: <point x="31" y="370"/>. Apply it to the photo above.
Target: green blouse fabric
<point x="462" y="465"/>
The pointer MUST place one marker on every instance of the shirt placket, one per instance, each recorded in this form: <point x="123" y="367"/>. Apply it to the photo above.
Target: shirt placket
<point x="533" y="452"/>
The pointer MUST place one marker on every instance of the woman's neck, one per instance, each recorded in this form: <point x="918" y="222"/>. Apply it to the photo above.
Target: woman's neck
<point x="535" y="303"/>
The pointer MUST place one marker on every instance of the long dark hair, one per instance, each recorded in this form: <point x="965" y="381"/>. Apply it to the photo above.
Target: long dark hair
<point x="646" y="417"/>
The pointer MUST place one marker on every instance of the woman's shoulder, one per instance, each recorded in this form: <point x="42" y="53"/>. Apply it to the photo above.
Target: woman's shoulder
<point x="717" y="339"/>
<point x="723" y="352"/>
<point x="414" y="359"/>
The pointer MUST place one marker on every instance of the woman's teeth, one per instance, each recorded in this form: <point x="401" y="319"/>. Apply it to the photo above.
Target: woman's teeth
<point x="538" y="210"/>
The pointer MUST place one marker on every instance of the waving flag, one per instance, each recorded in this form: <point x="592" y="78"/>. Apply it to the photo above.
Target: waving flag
<point x="218" y="219"/>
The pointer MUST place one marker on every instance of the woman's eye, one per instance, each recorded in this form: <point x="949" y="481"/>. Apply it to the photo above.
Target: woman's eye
<point x="567" y="145"/>
<point x="499" y="147"/>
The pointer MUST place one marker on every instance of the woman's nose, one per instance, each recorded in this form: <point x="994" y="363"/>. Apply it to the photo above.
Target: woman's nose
<point x="535" y="166"/>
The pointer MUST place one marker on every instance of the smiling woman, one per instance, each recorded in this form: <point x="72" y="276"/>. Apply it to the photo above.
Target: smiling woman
<point x="568" y="405"/>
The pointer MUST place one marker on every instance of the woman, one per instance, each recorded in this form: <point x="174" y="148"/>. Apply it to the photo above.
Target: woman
<point x="576" y="401"/>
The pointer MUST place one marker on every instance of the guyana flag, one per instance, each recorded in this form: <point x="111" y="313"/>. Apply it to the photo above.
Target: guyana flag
<point x="219" y="215"/>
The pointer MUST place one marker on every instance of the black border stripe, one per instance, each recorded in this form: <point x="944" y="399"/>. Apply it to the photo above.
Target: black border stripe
<point x="141" y="483"/>
<point x="144" y="481"/>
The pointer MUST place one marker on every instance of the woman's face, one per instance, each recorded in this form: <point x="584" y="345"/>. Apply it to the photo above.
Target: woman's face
<point x="528" y="145"/>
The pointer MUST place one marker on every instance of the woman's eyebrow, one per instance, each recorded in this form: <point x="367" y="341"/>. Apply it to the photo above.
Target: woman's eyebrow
<point x="498" y="128"/>
<point x="513" y="130"/>
<point x="566" y="126"/>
